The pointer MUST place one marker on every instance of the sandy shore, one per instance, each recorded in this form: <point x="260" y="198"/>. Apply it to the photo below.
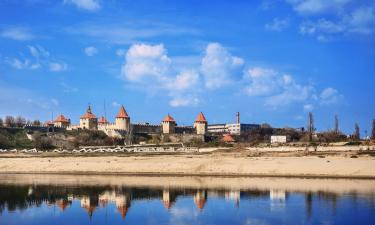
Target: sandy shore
<point x="203" y="165"/>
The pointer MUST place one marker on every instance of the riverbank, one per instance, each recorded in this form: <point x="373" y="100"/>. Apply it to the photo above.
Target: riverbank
<point x="335" y="166"/>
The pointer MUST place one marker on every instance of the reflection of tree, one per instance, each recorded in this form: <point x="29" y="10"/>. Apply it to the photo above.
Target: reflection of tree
<point x="308" y="203"/>
<point x="330" y="198"/>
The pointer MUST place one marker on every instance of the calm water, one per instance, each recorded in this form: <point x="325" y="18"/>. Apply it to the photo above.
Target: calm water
<point x="105" y="204"/>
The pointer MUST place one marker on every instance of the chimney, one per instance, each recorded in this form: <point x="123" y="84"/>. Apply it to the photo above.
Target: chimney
<point x="238" y="117"/>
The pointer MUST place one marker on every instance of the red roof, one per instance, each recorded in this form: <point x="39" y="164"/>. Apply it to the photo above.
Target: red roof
<point x="88" y="114"/>
<point x="103" y="120"/>
<point x="228" y="138"/>
<point x="201" y="118"/>
<point x="122" y="113"/>
<point x="168" y="118"/>
<point x="62" y="119"/>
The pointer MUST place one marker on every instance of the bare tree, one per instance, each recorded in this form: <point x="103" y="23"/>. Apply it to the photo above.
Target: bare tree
<point x="337" y="129"/>
<point x="9" y="121"/>
<point x="20" y="121"/>
<point x="1" y="122"/>
<point x="356" y="134"/>
<point x="36" y="123"/>
<point x="373" y="130"/>
<point x="310" y="125"/>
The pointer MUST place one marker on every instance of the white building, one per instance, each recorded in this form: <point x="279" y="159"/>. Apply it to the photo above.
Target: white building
<point x="278" y="139"/>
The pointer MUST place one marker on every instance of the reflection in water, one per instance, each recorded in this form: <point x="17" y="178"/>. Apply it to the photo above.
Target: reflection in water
<point x="181" y="205"/>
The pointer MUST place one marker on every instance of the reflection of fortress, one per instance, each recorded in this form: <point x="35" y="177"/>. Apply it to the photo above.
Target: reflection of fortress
<point x="92" y="198"/>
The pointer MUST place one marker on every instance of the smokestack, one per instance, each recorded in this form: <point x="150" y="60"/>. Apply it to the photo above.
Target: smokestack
<point x="238" y="117"/>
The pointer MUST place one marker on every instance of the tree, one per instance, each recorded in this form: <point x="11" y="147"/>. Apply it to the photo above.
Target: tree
<point x="1" y="122"/>
<point x="36" y="123"/>
<point x="9" y="121"/>
<point x="337" y="129"/>
<point x="356" y="134"/>
<point x="20" y="121"/>
<point x="310" y="125"/>
<point x="373" y="130"/>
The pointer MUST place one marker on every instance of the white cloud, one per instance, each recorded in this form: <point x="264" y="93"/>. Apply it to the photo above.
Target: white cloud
<point x="277" y="89"/>
<point x="219" y="67"/>
<point x="183" y="101"/>
<point x="326" y="20"/>
<point x="17" y="33"/>
<point x="263" y="81"/>
<point x="184" y="81"/>
<point x="308" y="107"/>
<point x="278" y="24"/>
<point x="330" y="96"/>
<point x="38" y="51"/>
<point x="18" y="64"/>
<point x="57" y="67"/>
<point x="308" y="7"/>
<point x="91" y="51"/>
<point x="90" y="5"/>
<point x="145" y="62"/>
<point x="37" y="58"/>
<point x="128" y="33"/>
<point x="150" y="67"/>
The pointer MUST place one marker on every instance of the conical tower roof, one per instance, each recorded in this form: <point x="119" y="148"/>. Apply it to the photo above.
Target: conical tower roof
<point x="201" y="118"/>
<point x="168" y="118"/>
<point x="122" y="113"/>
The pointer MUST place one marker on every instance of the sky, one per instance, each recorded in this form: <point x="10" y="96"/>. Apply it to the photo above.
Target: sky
<point x="272" y="60"/>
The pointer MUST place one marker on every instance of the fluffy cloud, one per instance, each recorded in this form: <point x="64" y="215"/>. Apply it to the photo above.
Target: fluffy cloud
<point x="145" y="62"/>
<point x="150" y="66"/>
<point x="218" y="66"/>
<point x="330" y="96"/>
<point x="91" y="51"/>
<point x="17" y="33"/>
<point x="278" y="89"/>
<point x="184" y="81"/>
<point x="328" y="19"/>
<point x="277" y="24"/>
<point x="90" y="5"/>
<point x="57" y="67"/>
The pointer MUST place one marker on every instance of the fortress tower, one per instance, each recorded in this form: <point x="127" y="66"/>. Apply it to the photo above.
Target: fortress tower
<point x="169" y="125"/>
<point x="122" y="120"/>
<point x="200" y="124"/>
<point x="88" y="120"/>
<point x="61" y="121"/>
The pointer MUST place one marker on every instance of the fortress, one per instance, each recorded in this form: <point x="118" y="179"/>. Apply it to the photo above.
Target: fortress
<point x="122" y="125"/>
<point x="168" y="127"/>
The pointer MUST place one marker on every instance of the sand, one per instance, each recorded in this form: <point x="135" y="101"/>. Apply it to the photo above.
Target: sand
<point x="194" y="165"/>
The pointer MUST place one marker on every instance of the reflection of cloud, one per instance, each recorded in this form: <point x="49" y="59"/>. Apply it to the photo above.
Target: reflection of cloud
<point x="252" y="221"/>
<point x="180" y="215"/>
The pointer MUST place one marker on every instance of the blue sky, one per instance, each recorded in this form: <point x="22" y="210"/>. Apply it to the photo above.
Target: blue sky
<point x="272" y="60"/>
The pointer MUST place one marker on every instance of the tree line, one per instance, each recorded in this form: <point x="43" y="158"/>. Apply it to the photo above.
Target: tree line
<point x="356" y="135"/>
<point x="17" y="122"/>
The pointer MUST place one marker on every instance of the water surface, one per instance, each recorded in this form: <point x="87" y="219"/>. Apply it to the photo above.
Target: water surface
<point x="50" y="200"/>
